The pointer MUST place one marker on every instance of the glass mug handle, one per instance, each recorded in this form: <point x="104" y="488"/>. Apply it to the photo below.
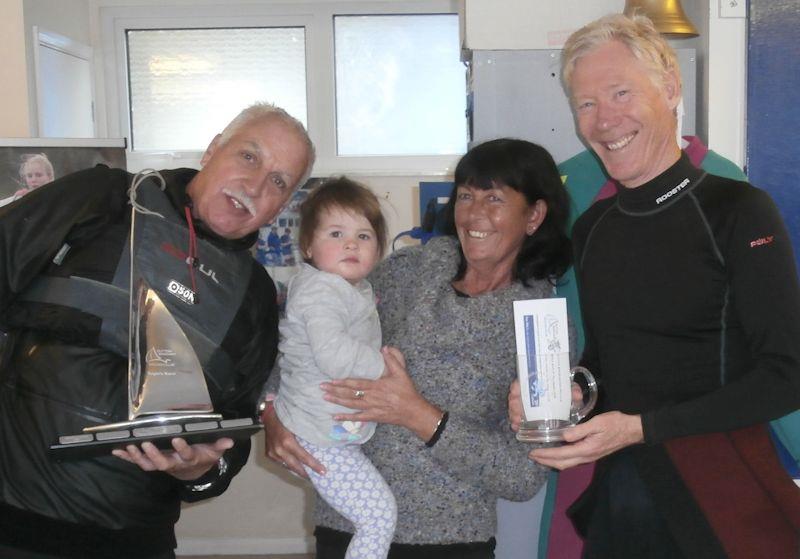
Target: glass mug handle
<point x="577" y="415"/>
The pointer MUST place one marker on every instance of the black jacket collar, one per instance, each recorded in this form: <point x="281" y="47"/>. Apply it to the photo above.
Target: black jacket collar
<point x="662" y="191"/>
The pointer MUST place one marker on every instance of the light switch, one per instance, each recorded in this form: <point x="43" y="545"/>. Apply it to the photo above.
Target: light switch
<point x="733" y="8"/>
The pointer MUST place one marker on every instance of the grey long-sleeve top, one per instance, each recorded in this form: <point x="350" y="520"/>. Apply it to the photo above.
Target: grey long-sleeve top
<point x="330" y="331"/>
<point x="461" y="355"/>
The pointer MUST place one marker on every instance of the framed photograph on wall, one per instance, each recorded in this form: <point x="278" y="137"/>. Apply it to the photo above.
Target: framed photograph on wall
<point x="277" y="247"/>
<point x="29" y="163"/>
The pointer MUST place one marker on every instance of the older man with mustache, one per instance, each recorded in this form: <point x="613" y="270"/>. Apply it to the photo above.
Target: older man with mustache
<point x="65" y="366"/>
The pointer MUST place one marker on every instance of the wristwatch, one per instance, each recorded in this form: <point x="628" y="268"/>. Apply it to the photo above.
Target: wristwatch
<point x="222" y="467"/>
<point x="269" y="398"/>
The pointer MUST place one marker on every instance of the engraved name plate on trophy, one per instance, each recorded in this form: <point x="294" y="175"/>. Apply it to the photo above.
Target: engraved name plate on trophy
<point x="167" y="392"/>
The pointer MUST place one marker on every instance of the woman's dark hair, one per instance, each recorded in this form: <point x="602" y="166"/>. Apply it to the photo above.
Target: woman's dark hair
<point x="530" y="170"/>
<point x="347" y="195"/>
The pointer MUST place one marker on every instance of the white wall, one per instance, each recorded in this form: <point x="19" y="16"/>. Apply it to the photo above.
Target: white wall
<point x="529" y="24"/>
<point x="14" y="107"/>
<point x="69" y="18"/>
<point x="265" y="510"/>
<point x="726" y="97"/>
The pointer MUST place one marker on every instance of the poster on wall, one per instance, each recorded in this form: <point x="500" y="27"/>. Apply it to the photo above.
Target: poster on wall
<point x="29" y="163"/>
<point x="277" y="247"/>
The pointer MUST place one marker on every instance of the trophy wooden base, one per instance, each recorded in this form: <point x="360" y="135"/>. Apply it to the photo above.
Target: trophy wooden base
<point x="99" y="443"/>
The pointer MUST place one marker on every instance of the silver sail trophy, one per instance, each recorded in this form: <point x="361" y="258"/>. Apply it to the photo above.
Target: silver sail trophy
<point x="167" y="392"/>
<point x="164" y="373"/>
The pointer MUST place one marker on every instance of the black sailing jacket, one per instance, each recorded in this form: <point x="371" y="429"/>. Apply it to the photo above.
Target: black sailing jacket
<point x="61" y="369"/>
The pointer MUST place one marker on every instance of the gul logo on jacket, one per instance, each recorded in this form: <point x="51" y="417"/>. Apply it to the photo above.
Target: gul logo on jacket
<point x="179" y="254"/>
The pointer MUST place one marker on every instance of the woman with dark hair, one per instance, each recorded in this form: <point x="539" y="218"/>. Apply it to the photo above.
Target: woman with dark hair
<point x="443" y="442"/>
<point x="520" y="165"/>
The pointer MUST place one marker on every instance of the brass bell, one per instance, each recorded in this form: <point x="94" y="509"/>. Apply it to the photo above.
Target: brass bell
<point x="667" y="16"/>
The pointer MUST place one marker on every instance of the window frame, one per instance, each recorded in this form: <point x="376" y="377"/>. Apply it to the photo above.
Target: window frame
<point x="113" y="20"/>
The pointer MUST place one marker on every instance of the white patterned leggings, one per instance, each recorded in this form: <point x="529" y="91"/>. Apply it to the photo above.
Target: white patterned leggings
<point x="357" y="491"/>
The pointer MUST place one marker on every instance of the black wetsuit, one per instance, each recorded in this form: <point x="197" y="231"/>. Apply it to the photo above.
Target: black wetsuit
<point x="691" y="305"/>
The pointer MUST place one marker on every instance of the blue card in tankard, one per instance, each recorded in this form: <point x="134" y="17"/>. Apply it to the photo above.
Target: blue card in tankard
<point x="545" y="377"/>
<point x="542" y="338"/>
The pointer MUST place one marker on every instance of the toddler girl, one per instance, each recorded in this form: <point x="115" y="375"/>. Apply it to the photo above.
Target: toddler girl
<point x="331" y="330"/>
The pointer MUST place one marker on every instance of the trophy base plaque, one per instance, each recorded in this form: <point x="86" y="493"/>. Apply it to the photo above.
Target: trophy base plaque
<point x="102" y="441"/>
<point x="543" y="431"/>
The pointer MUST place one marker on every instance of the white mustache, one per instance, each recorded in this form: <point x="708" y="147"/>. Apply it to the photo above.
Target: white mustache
<point x="241" y="198"/>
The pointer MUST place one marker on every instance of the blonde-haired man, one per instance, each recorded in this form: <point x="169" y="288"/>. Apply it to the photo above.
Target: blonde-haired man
<point x="690" y="302"/>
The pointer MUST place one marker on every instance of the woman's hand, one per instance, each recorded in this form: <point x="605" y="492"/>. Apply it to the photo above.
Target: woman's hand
<point x="590" y="441"/>
<point x="186" y="462"/>
<point x="282" y="446"/>
<point x="392" y="398"/>
<point x="515" y="406"/>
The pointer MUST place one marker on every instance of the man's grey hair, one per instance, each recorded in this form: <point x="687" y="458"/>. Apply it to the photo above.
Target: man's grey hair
<point x="258" y="111"/>
<point x="636" y="32"/>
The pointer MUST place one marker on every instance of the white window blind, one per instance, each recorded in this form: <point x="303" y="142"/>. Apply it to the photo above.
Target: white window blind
<point x="400" y="85"/>
<point x="187" y="84"/>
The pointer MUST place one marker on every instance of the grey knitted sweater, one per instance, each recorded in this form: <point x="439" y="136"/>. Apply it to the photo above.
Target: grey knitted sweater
<point x="461" y="356"/>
